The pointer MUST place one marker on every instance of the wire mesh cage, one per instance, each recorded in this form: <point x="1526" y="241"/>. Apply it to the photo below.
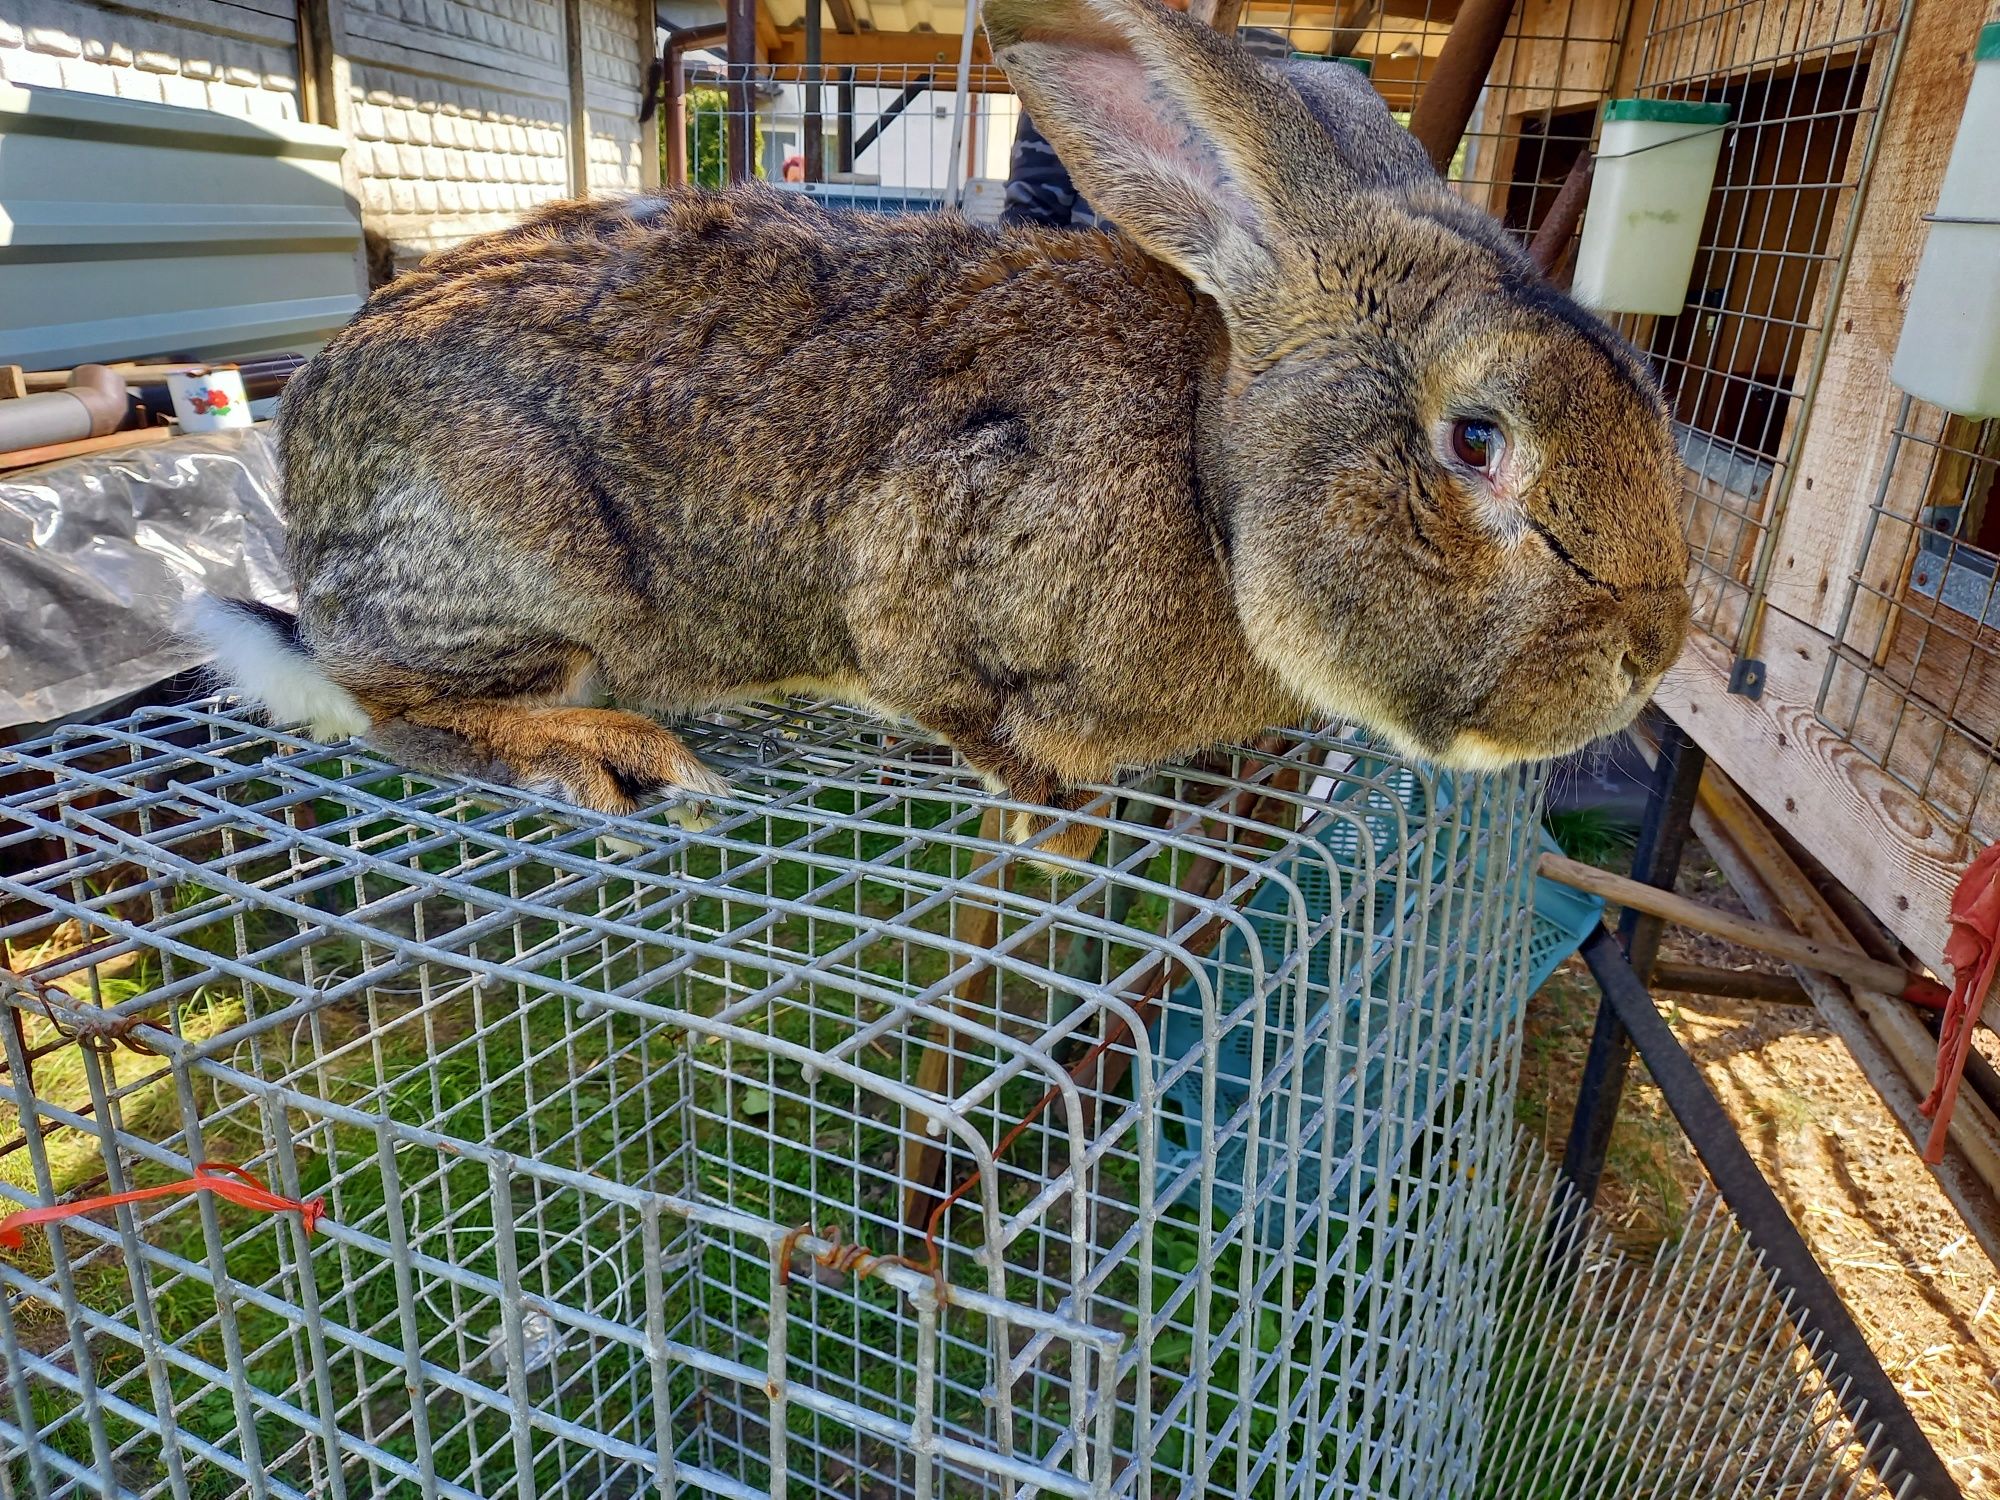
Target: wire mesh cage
<point x="1739" y="364"/>
<point x="833" y="1150"/>
<point x="822" y="1148"/>
<point x="1911" y="681"/>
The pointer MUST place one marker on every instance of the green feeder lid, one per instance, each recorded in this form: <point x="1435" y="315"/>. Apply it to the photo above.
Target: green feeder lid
<point x="1667" y="111"/>
<point x="1987" y="48"/>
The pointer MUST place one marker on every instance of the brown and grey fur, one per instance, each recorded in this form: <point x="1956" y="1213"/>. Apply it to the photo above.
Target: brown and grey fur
<point x="1070" y="500"/>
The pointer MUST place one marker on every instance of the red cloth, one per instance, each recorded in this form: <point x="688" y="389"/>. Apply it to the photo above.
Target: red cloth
<point x="1973" y="951"/>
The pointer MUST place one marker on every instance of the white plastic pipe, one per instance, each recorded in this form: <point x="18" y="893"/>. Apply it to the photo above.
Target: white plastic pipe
<point x="93" y="405"/>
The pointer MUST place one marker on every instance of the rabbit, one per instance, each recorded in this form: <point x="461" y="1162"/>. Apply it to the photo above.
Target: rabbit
<point x="1307" y="436"/>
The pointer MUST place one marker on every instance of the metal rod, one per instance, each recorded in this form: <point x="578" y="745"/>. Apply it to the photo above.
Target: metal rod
<point x="1448" y="99"/>
<point x="1837" y="1346"/>
<point x="1558" y="227"/>
<point x="843" y="124"/>
<point x="1656" y="862"/>
<point x="912" y="92"/>
<point x="1828" y="958"/>
<point x="961" y="103"/>
<point x="675" y="127"/>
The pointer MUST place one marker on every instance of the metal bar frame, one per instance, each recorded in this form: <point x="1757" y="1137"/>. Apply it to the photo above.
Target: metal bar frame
<point x="1656" y="861"/>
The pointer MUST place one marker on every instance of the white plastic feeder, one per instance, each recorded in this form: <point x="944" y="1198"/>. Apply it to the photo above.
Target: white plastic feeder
<point x="1648" y="197"/>
<point x="1949" y="354"/>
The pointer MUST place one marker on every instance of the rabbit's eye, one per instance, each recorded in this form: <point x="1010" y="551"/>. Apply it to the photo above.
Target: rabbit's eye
<point x="1477" y="444"/>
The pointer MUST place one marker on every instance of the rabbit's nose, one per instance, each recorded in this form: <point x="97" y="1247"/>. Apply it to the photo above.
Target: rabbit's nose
<point x="1650" y="655"/>
<point x="1659" y="630"/>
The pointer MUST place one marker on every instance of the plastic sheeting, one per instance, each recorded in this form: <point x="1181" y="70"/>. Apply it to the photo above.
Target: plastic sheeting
<point x="97" y="553"/>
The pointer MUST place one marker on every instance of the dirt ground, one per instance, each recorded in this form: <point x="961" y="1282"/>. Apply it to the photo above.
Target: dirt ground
<point x="1920" y="1287"/>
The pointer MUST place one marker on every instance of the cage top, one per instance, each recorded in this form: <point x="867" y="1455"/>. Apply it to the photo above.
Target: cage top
<point x="225" y="855"/>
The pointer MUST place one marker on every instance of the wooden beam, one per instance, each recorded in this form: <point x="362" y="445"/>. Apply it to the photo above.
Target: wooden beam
<point x="579" y="106"/>
<point x="842" y="12"/>
<point x="1839" y="960"/>
<point x="814" y="131"/>
<point x="1448" y="100"/>
<point x="1867" y="828"/>
<point x="878" y="48"/>
<point x="740" y="123"/>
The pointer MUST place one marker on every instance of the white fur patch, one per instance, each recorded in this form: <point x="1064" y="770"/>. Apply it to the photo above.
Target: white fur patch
<point x="257" y="663"/>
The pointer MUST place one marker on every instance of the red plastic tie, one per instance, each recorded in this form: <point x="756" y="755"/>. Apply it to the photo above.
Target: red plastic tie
<point x="224" y="1179"/>
<point x="1973" y="951"/>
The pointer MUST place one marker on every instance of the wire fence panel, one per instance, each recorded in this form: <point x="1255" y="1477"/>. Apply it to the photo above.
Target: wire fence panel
<point x="1911" y="682"/>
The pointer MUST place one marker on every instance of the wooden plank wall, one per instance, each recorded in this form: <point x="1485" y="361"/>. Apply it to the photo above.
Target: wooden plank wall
<point x="1868" y="829"/>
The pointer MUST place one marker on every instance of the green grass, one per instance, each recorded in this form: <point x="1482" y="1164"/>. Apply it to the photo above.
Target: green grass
<point x="1594" y="836"/>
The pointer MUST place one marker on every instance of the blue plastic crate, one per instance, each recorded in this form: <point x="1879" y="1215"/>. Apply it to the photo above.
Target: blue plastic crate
<point x="1393" y="803"/>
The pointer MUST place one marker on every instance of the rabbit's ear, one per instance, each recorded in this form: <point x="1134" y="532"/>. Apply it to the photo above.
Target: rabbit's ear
<point x="1208" y="160"/>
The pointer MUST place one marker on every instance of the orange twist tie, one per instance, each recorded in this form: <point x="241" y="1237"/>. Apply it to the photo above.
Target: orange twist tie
<point x="224" y="1179"/>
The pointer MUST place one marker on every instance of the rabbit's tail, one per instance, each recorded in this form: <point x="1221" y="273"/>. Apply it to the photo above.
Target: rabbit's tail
<point x="257" y="654"/>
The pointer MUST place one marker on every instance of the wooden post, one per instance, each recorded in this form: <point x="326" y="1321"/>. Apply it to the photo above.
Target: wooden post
<point x="649" y="130"/>
<point x="740" y="126"/>
<point x="579" y="110"/>
<point x="815" y="144"/>
<point x="1558" y="226"/>
<point x="1447" y="102"/>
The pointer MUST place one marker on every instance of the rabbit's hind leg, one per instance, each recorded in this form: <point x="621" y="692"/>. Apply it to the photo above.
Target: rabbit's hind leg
<point x="605" y="759"/>
<point x="1003" y="767"/>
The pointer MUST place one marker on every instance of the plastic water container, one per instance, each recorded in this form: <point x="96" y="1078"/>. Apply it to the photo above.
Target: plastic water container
<point x="1949" y="354"/>
<point x="1648" y="197"/>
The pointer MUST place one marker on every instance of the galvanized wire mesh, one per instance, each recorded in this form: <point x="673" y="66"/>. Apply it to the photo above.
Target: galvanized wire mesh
<point x="1740" y="362"/>
<point x="620" y="1153"/>
<point x="1676" y="1378"/>
<point x="1912" y="683"/>
<point x="631" y="1164"/>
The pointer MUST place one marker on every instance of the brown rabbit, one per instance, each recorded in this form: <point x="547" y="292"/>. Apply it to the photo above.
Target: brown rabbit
<point x="1310" y="437"/>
